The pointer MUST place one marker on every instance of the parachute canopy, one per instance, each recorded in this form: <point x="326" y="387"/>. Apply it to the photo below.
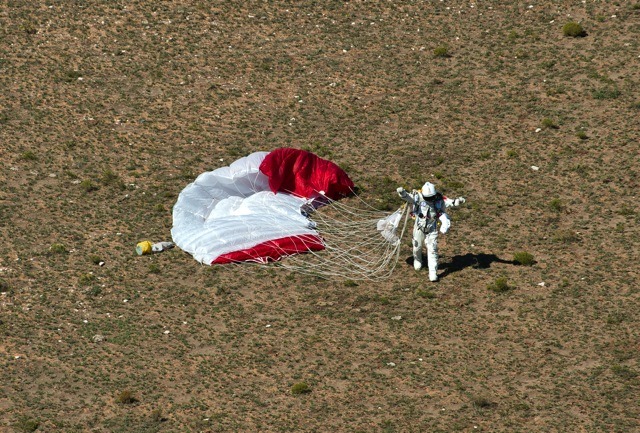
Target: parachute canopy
<point x="253" y="210"/>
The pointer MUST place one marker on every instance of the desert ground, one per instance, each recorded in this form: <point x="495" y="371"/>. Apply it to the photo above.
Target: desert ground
<point x="108" y="109"/>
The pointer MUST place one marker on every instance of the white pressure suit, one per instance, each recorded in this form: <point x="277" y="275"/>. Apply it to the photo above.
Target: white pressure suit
<point x="428" y="208"/>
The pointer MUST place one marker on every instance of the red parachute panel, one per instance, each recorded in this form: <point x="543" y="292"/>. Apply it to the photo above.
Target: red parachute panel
<point x="305" y="174"/>
<point x="273" y="250"/>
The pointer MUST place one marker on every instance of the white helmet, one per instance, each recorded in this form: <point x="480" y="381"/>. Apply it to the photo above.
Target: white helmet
<point x="428" y="190"/>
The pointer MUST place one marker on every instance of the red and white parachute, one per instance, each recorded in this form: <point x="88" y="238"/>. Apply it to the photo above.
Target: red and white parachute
<point x="262" y="207"/>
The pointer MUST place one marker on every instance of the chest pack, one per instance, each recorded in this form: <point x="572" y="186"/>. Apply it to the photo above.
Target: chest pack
<point x="426" y="211"/>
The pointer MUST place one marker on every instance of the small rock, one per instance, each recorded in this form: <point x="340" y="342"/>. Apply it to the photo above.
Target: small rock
<point x="391" y="364"/>
<point x="396" y="318"/>
<point x="535" y="168"/>
<point x="98" y="338"/>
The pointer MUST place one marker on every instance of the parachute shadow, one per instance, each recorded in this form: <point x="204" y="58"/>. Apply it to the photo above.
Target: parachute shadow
<point x="476" y="261"/>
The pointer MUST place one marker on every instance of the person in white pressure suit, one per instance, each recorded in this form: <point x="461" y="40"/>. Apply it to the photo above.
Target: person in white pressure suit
<point x="429" y="209"/>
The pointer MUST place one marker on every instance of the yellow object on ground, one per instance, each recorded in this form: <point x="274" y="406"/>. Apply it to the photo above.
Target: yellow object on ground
<point x="143" y="247"/>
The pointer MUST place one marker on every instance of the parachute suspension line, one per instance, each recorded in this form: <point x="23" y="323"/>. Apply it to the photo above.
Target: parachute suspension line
<point x="360" y="241"/>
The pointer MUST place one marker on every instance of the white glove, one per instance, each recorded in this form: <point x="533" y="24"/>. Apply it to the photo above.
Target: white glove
<point x="400" y="190"/>
<point x="459" y="201"/>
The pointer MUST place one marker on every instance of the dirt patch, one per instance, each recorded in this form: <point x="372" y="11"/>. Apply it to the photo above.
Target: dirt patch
<point x="109" y="109"/>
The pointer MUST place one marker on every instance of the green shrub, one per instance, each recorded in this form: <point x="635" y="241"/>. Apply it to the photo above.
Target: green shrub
<point x="582" y="135"/>
<point x="88" y="186"/>
<point x="615" y="318"/>
<point x="624" y="372"/>
<point x="28" y="156"/>
<point x="574" y="30"/>
<point x="126" y="397"/>
<point x="109" y="177"/>
<point x="156" y="416"/>
<point x="548" y="64"/>
<point x="94" y="291"/>
<point x="442" y="52"/>
<point x="500" y="285"/>
<point x="606" y="93"/>
<point x="481" y="402"/>
<point x="454" y="184"/>
<point x="28" y="425"/>
<point x="626" y="210"/>
<point x="29" y="28"/>
<point x="71" y="76"/>
<point x="58" y="249"/>
<point x="548" y="123"/>
<point x="524" y="258"/>
<point x="300" y="388"/>
<point x="186" y="173"/>
<point x="350" y="283"/>
<point x="555" y="90"/>
<point x="427" y="294"/>
<point x="86" y="279"/>
<point x="556" y="205"/>
<point x="565" y="237"/>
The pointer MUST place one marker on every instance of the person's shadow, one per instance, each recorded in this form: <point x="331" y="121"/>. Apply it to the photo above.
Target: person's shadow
<point x="460" y="262"/>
